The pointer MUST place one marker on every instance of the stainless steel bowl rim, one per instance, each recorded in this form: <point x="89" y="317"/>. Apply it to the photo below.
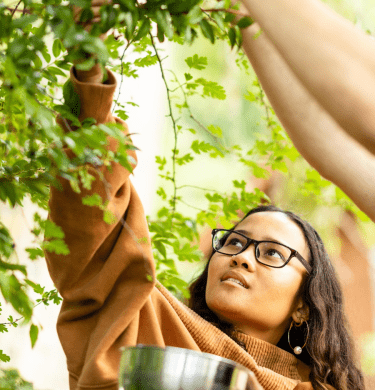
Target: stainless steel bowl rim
<point x="186" y="351"/>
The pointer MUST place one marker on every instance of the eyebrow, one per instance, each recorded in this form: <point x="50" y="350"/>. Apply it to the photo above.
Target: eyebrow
<point x="266" y="238"/>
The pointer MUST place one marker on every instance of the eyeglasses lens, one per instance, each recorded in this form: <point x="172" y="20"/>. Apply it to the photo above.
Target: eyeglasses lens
<point x="269" y="253"/>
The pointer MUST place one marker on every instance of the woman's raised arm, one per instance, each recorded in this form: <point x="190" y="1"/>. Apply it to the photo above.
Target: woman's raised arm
<point x="97" y="260"/>
<point x="333" y="60"/>
<point x="321" y="141"/>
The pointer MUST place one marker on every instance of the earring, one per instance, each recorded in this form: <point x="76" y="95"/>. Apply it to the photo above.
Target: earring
<point x="298" y="350"/>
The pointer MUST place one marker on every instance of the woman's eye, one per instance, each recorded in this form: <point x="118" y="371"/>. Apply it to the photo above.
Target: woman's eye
<point x="235" y="242"/>
<point x="275" y="253"/>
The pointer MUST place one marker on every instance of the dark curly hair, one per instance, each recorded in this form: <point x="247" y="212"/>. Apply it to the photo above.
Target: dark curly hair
<point x="330" y="349"/>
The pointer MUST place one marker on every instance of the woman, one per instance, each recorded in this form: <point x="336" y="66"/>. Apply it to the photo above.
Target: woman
<point x="111" y="297"/>
<point x="315" y="293"/>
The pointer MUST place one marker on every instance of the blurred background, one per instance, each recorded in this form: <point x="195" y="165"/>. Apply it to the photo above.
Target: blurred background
<point x="349" y="240"/>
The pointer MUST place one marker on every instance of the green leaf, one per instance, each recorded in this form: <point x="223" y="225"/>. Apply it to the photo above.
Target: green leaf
<point x="251" y="97"/>
<point x="86" y="15"/>
<point x="184" y="159"/>
<point x="202" y="146"/>
<point x="34" y="331"/>
<point x="46" y="55"/>
<point x="163" y="20"/>
<point x="160" y="248"/>
<point x="52" y="230"/>
<point x="195" y="15"/>
<point x="130" y="4"/>
<point x="188" y="35"/>
<point x="229" y="18"/>
<point x="86" y="65"/>
<point x="57" y="246"/>
<point x="14" y="293"/>
<point x="196" y="62"/>
<point x="37" y="287"/>
<point x="3" y="328"/>
<point x="232" y="37"/>
<point x="3" y="357"/>
<point x="214" y="197"/>
<point x="212" y="89"/>
<point x="161" y="162"/>
<point x="207" y="30"/>
<point x="24" y="20"/>
<point x="81" y="3"/>
<point x="245" y="22"/>
<point x="56" y="71"/>
<point x="215" y="130"/>
<point x="143" y="30"/>
<point x="13" y="267"/>
<point x="258" y="171"/>
<point x="109" y="217"/>
<point x="181" y="6"/>
<point x="146" y="61"/>
<point x="218" y="17"/>
<point x="160" y="34"/>
<point x="34" y="253"/>
<point x="56" y="47"/>
<point x="9" y="189"/>
<point x="161" y="192"/>
<point x="92" y="200"/>
<point x="71" y="98"/>
<point x="240" y="185"/>
<point x="130" y="24"/>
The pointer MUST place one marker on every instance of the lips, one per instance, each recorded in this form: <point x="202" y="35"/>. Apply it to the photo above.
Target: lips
<point x="235" y="275"/>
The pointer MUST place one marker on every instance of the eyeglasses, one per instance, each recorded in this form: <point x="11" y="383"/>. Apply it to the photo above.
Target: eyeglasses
<point x="270" y="253"/>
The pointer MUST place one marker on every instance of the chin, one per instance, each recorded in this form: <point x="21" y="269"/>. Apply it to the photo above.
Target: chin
<point x="225" y="311"/>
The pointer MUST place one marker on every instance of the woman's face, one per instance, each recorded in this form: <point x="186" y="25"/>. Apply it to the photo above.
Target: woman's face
<point x="263" y="310"/>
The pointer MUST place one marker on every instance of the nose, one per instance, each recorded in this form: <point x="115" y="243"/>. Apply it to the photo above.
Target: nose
<point x="245" y="259"/>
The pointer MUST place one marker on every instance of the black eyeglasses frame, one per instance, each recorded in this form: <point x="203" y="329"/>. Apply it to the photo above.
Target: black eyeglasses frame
<point x="250" y="241"/>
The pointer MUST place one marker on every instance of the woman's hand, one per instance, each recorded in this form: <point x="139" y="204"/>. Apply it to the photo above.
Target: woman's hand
<point x="252" y="383"/>
<point x="95" y="74"/>
<point x="95" y="8"/>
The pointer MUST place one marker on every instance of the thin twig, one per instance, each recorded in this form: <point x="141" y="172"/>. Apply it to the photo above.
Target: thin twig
<point x="189" y="205"/>
<point x="199" y="188"/>
<point x="262" y="99"/>
<point x="216" y="139"/>
<point x="19" y="319"/>
<point x="24" y="11"/>
<point x="229" y="11"/>
<point x="51" y="63"/>
<point x="174" y="130"/>
<point x="44" y="92"/>
<point x="122" y="74"/>
<point x="15" y="9"/>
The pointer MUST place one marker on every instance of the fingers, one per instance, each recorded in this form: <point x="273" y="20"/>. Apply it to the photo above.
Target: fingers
<point x="95" y="8"/>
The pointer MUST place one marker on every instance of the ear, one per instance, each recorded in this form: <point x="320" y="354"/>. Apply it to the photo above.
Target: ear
<point x="301" y="313"/>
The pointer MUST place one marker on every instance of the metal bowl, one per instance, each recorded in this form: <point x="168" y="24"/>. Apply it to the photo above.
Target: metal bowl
<point x="146" y="367"/>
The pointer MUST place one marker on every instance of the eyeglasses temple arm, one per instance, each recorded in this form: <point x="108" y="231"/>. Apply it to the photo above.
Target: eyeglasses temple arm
<point x="304" y="262"/>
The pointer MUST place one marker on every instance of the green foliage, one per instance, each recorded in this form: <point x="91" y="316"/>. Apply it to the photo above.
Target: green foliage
<point x="196" y="62"/>
<point x="10" y="379"/>
<point x="36" y="53"/>
<point x="38" y="47"/>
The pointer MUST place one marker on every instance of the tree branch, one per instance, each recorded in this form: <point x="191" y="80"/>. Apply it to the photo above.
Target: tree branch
<point x="174" y="130"/>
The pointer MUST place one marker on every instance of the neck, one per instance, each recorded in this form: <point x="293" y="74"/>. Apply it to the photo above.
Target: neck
<point x="271" y="336"/>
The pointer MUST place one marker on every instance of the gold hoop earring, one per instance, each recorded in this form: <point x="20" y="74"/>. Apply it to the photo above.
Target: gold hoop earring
<point x="298" y="350"/>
